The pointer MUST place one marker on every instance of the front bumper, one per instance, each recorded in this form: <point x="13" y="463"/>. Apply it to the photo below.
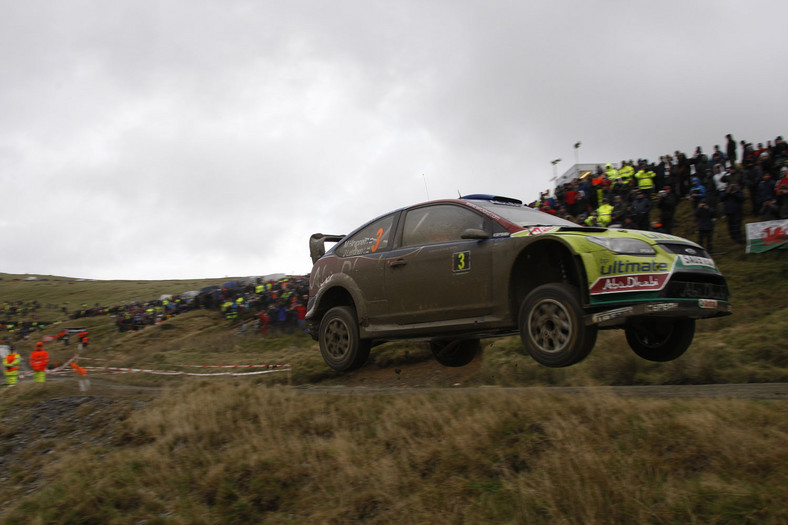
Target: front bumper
<point x="685" y="308"/>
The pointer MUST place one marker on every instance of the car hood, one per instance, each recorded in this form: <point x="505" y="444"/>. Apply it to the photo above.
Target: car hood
<point x="582" y="231"/>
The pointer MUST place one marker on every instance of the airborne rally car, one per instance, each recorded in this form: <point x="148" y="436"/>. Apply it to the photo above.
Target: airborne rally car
<point x="453" y="271"/>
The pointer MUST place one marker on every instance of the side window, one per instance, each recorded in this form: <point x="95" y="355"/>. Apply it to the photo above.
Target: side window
<point x="373" y="238"/>
<point x="439" y="223"/>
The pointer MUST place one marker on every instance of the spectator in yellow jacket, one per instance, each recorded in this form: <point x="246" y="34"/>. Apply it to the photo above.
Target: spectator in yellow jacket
<point x="626" y="172"/>
<point x="604" y="214"/>
<point x="645" y="177"/>
<point x="11" y="367"/>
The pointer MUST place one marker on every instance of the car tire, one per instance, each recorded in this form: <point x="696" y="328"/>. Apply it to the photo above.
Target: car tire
<point x="455" y="353"/>
<point x="660" y="339"/>
<point x="552" y="327"/>
<point x="340" y="345"/>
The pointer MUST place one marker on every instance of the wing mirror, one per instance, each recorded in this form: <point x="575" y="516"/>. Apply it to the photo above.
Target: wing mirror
<point x="475" y="233"/>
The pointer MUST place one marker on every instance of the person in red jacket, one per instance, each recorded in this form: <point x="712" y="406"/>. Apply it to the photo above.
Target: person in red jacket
<point x="82" y="337"/>
<point x="39" y="359"/>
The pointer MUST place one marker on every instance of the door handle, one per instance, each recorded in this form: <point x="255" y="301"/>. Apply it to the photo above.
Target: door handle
<point x="398" y="262"/>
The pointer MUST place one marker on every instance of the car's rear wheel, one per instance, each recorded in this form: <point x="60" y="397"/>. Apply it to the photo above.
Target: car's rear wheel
<point x="552" y="327"/>
<point x="340" y="345"/>
<point x="455" y="353"/>
<point x="660" y="339"/>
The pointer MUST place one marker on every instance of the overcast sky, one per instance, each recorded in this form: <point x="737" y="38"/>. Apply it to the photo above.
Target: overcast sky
<point x="175" y="139"/>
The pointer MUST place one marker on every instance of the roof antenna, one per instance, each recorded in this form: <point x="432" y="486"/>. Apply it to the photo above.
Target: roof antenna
<point x="459" y="195"/>
<point x="425" y="186"/>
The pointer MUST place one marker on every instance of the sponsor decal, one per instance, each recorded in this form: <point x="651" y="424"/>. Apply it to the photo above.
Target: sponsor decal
<point x="628" y="267"/>
<point x="362" y="246"/>
<point x="707" y="303"/>
<point x="601" y="317"/>
<point x="657" y="236"/>
<point x="691" y="260"/>
<point x="661" y="307"/>
<point x="536" y="230"/>
<point x="629" y="283"/>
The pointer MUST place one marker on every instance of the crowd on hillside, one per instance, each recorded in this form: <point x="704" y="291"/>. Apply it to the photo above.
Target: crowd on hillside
<point x="21" y="318"/>
<point x="270" y="306"/>
<point x="276" y="306"/>
<point x="643" y="195"/>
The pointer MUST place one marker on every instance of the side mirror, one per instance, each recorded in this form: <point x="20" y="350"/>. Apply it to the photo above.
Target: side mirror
<point x="475" y="233"/>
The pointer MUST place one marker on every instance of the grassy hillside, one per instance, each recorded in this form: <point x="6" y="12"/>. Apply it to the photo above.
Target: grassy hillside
<point x="144" y="448"/>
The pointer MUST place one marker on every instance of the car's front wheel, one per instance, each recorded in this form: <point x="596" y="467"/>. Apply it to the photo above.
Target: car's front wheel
<point x="455" y="353"/>
<point x="340" y="345"/>
<point x="552" y="327"/>
<point x="660" y="339"/>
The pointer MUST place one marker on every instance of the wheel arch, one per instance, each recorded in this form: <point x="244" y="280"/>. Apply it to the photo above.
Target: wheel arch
<point x="543" y="262"/>
<point x="340" y="293"/>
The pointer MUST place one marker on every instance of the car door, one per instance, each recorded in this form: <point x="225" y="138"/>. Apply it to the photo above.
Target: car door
<point x="434" y="274"/>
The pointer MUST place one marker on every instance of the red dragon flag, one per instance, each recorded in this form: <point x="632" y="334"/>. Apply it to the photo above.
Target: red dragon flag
<point x="768" y="235"/>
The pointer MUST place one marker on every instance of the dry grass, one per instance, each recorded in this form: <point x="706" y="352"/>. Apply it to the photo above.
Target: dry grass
<point x="236" y="453"/>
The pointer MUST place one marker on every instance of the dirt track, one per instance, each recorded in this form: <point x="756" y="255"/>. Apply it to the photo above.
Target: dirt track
<point x="772" y="391"/>
<point x="429" y="376"/>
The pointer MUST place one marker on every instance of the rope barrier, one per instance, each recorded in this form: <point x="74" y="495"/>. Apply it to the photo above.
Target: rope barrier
<point x="66" y="370"/>
<point x="180" y="372"/>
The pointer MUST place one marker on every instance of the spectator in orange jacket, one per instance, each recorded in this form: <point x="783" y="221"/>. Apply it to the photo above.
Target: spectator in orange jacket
<point x="39" y="359"/>
<point x="82" y="337"/>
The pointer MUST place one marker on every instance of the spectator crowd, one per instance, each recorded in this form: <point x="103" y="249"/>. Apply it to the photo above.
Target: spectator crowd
<point x="644" y="195"/>
<point x="271" y="307"/>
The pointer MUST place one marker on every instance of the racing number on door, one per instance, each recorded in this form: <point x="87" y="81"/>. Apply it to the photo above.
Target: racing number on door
<point x="378" y="235"/>
<point x="462" y="261"/>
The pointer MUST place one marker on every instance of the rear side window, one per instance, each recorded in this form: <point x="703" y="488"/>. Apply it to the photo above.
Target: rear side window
<point x="437" y="224"/>
<point x="373" y="238"/>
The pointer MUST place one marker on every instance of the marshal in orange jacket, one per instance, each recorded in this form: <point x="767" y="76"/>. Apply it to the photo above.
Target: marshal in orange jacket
<point x="39" y="358"/>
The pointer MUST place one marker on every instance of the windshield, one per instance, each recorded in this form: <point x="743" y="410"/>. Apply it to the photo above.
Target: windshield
<point x="523" y="215"/>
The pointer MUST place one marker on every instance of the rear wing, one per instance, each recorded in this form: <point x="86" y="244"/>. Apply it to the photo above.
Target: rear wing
<point x="317" y="244"/>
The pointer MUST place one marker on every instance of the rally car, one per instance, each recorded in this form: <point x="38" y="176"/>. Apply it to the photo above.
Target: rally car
<point x="451" y="272"/>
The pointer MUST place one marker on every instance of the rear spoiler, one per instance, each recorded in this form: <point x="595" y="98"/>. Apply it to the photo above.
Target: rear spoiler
<point x="317" y="244"/>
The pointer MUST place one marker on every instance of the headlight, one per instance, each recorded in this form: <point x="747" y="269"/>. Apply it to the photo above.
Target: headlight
<point x="623" y="245"/>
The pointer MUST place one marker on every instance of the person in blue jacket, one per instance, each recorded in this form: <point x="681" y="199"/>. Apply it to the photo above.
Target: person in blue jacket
<point x="697" y="192"/>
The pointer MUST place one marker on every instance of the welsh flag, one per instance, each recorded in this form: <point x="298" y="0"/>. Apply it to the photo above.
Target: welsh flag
<point x="768" y="235"/>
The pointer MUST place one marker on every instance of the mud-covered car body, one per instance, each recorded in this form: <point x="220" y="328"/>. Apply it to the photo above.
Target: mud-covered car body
<point x="454" y="271"/>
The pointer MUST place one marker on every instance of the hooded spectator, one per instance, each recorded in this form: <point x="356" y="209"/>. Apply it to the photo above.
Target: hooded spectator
<point x="666" y="203"/>
<point x="641" y="208"/>
<point x="704" y="216"/>
<point x="765" y="192"/>
<point x="697" y="192"/>
<point x="733" y="208"/>
<point x="781" y="191"/>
